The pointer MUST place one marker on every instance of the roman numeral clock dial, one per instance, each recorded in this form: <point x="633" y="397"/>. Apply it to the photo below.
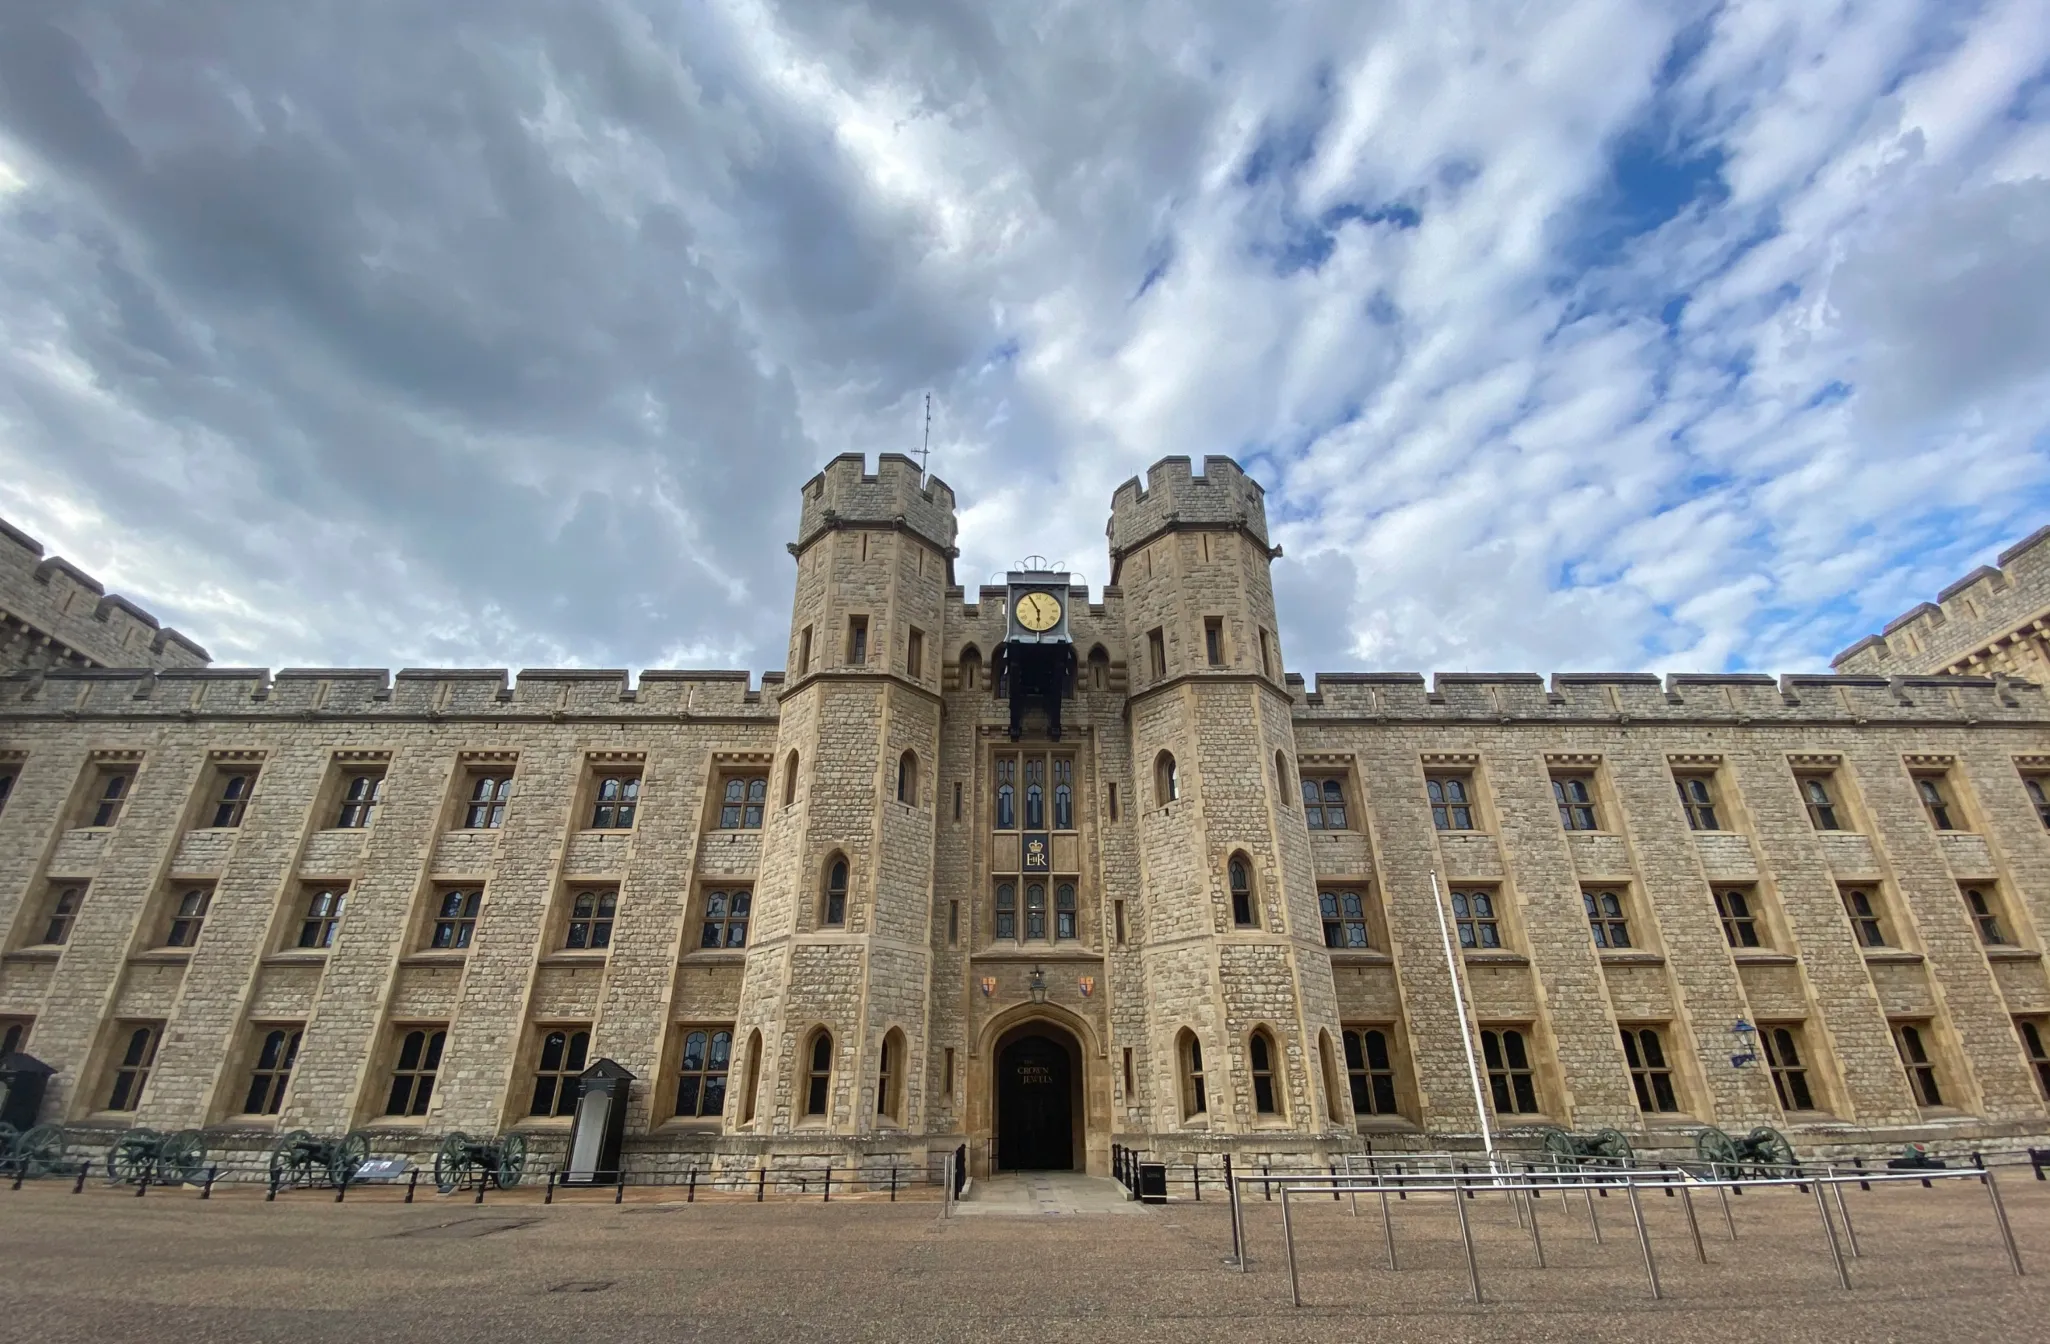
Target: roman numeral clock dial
<point x="1039" y="611"/>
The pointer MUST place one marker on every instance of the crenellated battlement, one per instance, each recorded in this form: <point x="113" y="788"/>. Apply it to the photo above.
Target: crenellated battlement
<point x="54" y="614"/>
<point x="896" y="494"/>
<point x="375" y="693"/>
<point x="1173" y="496"/>
<point x="1612" y="697"/>
<point x="1978" y="623"/>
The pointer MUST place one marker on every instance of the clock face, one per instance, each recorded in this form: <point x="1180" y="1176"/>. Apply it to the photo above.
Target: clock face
<point x="1039" y="611"/>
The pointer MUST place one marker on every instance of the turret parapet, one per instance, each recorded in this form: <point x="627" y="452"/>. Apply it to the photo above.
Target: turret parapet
<point x="1971" y="623"/>
<point x="1223" y="496"/>
<point x="897" y="494"/>
<point x="54" y="614"/>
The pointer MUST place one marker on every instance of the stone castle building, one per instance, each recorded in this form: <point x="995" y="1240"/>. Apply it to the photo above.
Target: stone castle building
<point x="849" y="912"/>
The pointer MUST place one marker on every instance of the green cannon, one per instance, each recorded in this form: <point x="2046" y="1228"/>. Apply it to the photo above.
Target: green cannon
<point x="460" y="1157"/>
<point x="1764" y="1152"/>
<point x="31" y="1152"/>
<point x="161" y="1159"/>
<point x="1603" y="1148"/>
<point x="304" y="1158"/>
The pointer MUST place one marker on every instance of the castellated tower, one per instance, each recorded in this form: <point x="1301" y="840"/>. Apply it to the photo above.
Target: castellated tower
<point x="834" y="1003"/>
<point x="1244" y="1026"/>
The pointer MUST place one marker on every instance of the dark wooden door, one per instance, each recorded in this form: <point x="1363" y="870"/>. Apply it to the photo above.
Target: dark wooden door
<point x="1035" y="1107"/>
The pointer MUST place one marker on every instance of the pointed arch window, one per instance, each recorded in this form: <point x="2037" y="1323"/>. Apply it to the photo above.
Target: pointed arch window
<point x="1006" y="911"/>
<point x="833" y="903"/>
<point x="565" y="1054"/>
<point x="1035" y="910"/>
<point x="971" y="668"/>
<point x="1099" y="669"/>
<point x="1189" y="1058"/>
<point x="1370" y="1070"/>
<point x="1244" y="909"/>
<point x="1167" y="784"/>
<point x="1035" y="793"/>
<point x="890" y="1079"/>
<point x="1064" y="913"/>
<point x="753" y="1080"/>
<point x="1063" y="794"/>
<point x="272" y="1072"/>
<point x="1329" y="1064"/>
<point x="818" y="1073"/>
<point x="907" y="778"/>
<point x="1007" y="793"/>
<point x="790" y="779"/>
<point x="701" y="1071"/>
<point x="1262" y="1057"/>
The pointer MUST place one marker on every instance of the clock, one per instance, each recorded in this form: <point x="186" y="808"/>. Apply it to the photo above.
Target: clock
<point x="1038" y="612"/>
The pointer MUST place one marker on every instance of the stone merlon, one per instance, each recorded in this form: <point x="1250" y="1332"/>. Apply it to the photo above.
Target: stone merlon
<point x="1173" y="497"/>
<point x="54" y="614"/>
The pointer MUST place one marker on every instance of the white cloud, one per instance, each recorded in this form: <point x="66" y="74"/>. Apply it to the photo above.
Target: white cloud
<point x="1607" y="333"/>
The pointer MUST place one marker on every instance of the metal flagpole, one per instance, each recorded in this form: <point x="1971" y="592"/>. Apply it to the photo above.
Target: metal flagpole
<point x="1473" y="1068"/>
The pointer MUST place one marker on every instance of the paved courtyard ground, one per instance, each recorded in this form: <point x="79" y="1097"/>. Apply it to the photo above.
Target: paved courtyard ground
<point x="1065" y="1261"/>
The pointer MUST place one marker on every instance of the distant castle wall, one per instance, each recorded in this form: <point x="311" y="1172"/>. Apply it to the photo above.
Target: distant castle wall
<point x="1991" y="620"/>
<point x="55" y="615"/>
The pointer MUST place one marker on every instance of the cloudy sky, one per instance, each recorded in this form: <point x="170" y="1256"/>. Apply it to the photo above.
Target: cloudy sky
<point x="1591" y="334"/>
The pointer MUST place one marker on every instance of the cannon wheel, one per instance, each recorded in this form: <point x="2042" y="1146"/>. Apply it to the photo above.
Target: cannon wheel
<point x="1614" y="1145"/>
<point x="512" y="1159"/>
<point x="1717" y="1150"/>
<point x="349" y="1153"/>
<point x="1771" y="1149"/>
<point x="286" y="1162"/>
<point x="1560" y="1146"/>
<point x="451" y="1161"/>
<point x="183" y="1157"/>
<point x="40" y="1151"/>
<point x="133" y="1155"/>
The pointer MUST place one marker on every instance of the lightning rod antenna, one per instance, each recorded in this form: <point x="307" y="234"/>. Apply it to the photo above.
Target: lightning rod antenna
<point x="925" y="453"/>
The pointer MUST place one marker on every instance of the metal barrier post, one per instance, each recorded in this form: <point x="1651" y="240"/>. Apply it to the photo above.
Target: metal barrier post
<point x="1643" y="1237"/>
<point x="1387" y="1227"/>
<point x="619" y="1185"/>
<point x="1537" y="1242"/>
<point x="1843" y="1208"/>
<point x="412" y="1184"/>
<point x="1859" y="1163"/>
<point x="827" y="1187"/>
<point x="1355" y="1188"/>
<point x="893" y="1182"/>
<point x="1473" y="1266"/>
<point x="1196" y="1178"/>
<point x="1238" y="1225"/>
<point x="342" y="1187"/>
<point x="1295" y="1295"/>
<point x="2014" y="1256"/>
<point x="948" y="1211"/>
<point x="20" y="1171"/>
<point x="207" y="1191"/>
<point x="483" y="1179"/>
<point x="84" y="1169"/>
<point x="1266" y="1187"/>
<point x="142" y="1186"/>
<point x="1334" y="1180"/>
<point x="762" y="1179"/>
<point x="1693" y="1223"/>
<point x="548" y="1192"/>
<point x="1593" y="1224"/>
<point x="1836" y="1252"/>
<point x="1729" y="1220"/>
<point x="690" y="1193"/>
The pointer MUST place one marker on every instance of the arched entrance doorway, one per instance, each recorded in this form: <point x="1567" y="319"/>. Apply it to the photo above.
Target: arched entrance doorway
<point x="1039" y="1098"/>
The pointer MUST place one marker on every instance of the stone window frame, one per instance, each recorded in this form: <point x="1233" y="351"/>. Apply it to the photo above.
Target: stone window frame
<point x="1936" y="784"/>
<point x="812" y="1106"/>
<point x="1366" y="1079"/>
<point x="127" y="1070"/>
<point x="738" y="793"/>
<point x="1215" y="654"/>
<point x="627" y="769"/>
<point x="1576" y="793"/>
<point x="893" y="1086"/>
<point x="1992" y="913"/>
<point x="596" y="923"/>
<point x="1654" y="1068"/>
<point x="476" y="775"/>
<point x="907" y="781"/>
<point x="1271" y="1105"/>
<point x="100" y="801"/>
<point x="1319" y="776"/>
<point x="804" y="650"/>
<point x="1701" y="801"/>
<point x="228" y="783"/>
<point x="1508" y="1080"/>
<point x="1156" y="653"/>
<point x="550" y="1077"/>
<point x="10" y="773"/>
<point x="270" y="1053"/>
<point x="1242" y="890"/>
<point x="914" y="653"/>
<point x="751" y="1077"/>
<point x="1833" y="812"/>
<point x="2033" y="1031"/>
<point x="412" y="1086"/>
<point x="308" y="915"/>
<point x="793" y="764"/>
<point x="1751" y="912"/>
<point x="855" y="652"/>
<point x="1613" y="917"/>
<point x="55" y="911"/>
<point x="832" y="885"/>
<point x="457" y="904"/>
<point x="1926" y="1064"/>
<point x="703" y="919"/>
<point x="708" y="1073"/>
<point x="1879" y="911"/>
<point x="1507" y="939"/>
<point x="14" y="1032"/>
<point x="353" y="792"/>
<point x="180" y="919"/>
<point x="2034" y="772"/>
<point x="1795" y="1074"/>
<point x="1332" y="911"/>
<point x="1167" y="779"/>
<point x="1192" y="1081"/>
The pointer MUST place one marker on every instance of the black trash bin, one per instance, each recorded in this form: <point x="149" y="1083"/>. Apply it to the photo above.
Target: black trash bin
<point x="1153" y="1182"/>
